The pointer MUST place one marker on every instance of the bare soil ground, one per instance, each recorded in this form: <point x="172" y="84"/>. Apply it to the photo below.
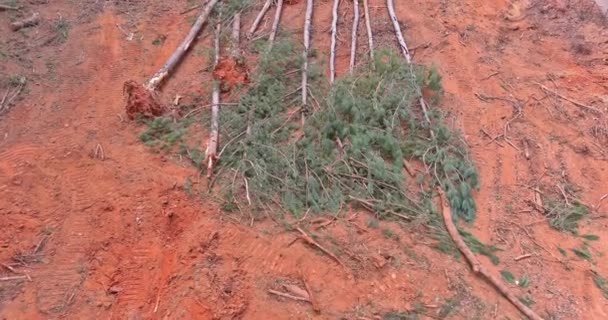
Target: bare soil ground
<point x="104" y="229"/>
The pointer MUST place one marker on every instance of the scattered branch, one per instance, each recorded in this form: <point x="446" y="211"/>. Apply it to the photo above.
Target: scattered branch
<point x="288" y="296"/>
<point x="576" y="103"/>
<point x="312" y="242"/>
<point x="7" y="7"/>
<point x="475" y="264"/>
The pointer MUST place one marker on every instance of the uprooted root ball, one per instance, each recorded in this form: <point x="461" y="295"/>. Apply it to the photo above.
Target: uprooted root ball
<point x="140" y="101"/>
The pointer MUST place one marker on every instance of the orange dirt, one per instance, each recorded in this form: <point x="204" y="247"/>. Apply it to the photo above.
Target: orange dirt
<point x="230" y="73"/>
<point x="106" y="229"/>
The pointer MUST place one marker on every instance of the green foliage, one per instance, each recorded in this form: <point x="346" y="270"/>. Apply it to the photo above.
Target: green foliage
<point x="400" y="315"/>
<point x="523" y="281"/>
<point x="562" y="251"/>
<point x="601" y="283"/>
<point x="508" y="276"/>
<point x="527" y="300"/>
<point x="61" y="27"/>
<point x="389" y="234"/>
<point x="583" y="252"/>
<point x="163" y="132"/>
<point x="591" y="237"/>
<point x="563" y="216"/>
<point x="477" y="246"/>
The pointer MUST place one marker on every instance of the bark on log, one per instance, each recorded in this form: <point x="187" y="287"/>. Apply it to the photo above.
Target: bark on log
<point x="353" y="42"/>
<point x="259" y="18"/>
<point x="275" y="24"/>
<point x="368" y="25"/>
<point x="406" y="53"/>
<point x="30" y="21"/>
<point x="179" y="53"/>
<point x="307" y="23"/>
<point x="334" y="33"/>
<point x="212" y="146"/>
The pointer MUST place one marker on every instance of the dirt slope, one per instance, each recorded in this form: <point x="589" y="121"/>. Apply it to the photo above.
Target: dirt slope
<point x="105" y="230"/>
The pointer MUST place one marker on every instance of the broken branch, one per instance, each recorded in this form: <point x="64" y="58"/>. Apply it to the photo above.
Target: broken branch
<point x="33" y="20"/>
<point x="475" y="264"/>
<point x="576" y="103"/>
<point x="312" y="242"/>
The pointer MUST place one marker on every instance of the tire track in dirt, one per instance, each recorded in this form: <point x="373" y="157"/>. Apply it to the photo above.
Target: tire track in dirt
<point x="136" y="288"/>
<point x="69" y="265"/>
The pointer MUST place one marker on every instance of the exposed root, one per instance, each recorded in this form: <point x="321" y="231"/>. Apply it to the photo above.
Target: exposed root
<point x="141" y="101"/>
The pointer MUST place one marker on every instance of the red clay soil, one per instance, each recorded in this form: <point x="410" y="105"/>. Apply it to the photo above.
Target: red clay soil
<point x="230" y="73"/>
<point x="119" y="237"/>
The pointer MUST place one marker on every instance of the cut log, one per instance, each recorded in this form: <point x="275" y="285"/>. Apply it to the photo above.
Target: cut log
<point x="275" y="24"/>
<point x="368" y="25"/>
<point x="353" y="42"/>
<point x="406" y="54"/>
<point x="334" y="33"/>
<point x="30" y="21"/>
<point x="307" y="24"/>
<point x="214" y="134"/>
<point x="259" y="18"/>
<point x="475" y="264"/>
<point x="142" y="99"/>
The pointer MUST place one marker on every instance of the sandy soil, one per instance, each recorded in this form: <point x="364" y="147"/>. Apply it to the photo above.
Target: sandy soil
<point x="104" y="229"/>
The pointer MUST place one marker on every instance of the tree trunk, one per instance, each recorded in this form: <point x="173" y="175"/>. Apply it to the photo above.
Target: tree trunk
<point x="212" y="146"/>
<point x="334" y="32"/>
<point x="368" y="25"/>
<point x="307" y="23"/>
<point x="275" y="24"/>
<point x="259" y="18"/>
<point x="179" y="53"/>
<point x="406" y="54"/>
<point x="353" y="42"/>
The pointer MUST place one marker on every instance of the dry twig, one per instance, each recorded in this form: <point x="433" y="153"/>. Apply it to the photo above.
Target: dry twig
<point x="312" y="242"/>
